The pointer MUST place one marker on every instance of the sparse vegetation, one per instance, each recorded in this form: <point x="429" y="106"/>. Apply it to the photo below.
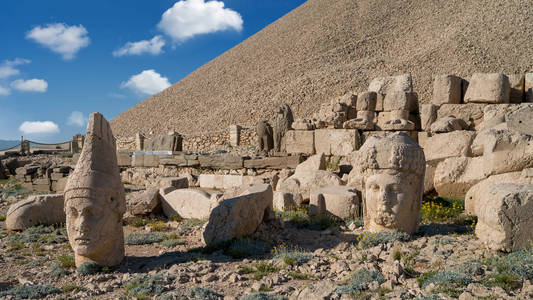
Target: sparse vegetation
<point x="258" y="271"/>
<point x="57" y="270"/>
<point x="242" y="248"/>
<point x="66" y="261"/>
<point x="2" y="218"/>
<point x="369" y="239"/>
<point x="89" y="268"/>
<point x="301" y="276"/>
<point x="146" y="285"/>
<point x="31" y="291"/>
<point x="263" y="296"/>
<point x="441" y="209"/>
<point x="359" y="281"/>
<point x="71" y="288"/>
<point x="300" y="218"/>
<point x="445" y="282"/>
<point x="139" y="238"/>
<point x="291" y="256"/>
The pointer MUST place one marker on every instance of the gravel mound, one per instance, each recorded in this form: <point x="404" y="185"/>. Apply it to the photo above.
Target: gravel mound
<point x="326" y="48"/>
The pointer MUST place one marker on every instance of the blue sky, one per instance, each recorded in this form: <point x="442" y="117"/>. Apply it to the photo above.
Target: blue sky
<point x="61" y="59"/>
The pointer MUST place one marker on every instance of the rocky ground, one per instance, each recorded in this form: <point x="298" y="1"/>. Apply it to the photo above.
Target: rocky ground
<point x="292" y="256"/>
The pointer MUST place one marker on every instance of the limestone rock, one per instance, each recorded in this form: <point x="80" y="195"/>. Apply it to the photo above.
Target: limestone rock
<point x="528" y="87"/>
<point x="189" y="203"/>
<point x="302" y="183"/>
<point x="448" y="124"/>
<point x="446" y="89"/>
<point x="521" y="120"/>
<point x="300" y="142"/>
<point x="444" y="145"/>
<point x="366" y="101"/>
<point x="474" y="194"/>
<point x="429" y="182"/>
<point x="285" y="201"/>
<point x="313" y="163"/>
<point x="36" y="210"/>
<point x="239" y="214"/>
<point x="428" y="115"/>
<point x="339" y="201"/>
<point x="488" y="88"/>
<point x="143" y="203"/>
<point x="339" y="142"/>
<point x="171" y="142"/>
<point x="506" y="217"/>
<point x="95" y="199"/>
<point x="516" y="83"/>
<point x="177" y="182"/>
<point x="385" y="85"/>
<point x="398" y="125"/>
<point x="222" y="161"/>
<point x="303" y="124"/>
<point x="456" y="175"/>
<point x="471" y="113"/>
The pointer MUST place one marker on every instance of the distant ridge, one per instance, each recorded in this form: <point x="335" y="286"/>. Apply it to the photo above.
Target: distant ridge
<point x="325" y="48"/>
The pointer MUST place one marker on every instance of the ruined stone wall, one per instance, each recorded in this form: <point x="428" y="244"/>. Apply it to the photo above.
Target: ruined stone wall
<point x="208" y="142"/>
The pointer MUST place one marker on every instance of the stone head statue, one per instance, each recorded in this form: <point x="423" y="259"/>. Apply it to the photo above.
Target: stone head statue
<point x="390" y="169"/>
<point x="95" y="199"/>
<point x="282" y="123"/>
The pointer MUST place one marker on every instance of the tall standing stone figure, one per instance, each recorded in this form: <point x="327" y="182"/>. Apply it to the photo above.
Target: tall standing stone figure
<point x="264" y="137"/>
<point x="95" y="199"/>
<point x="389" y="170"/>
<point x="282" y="123"/>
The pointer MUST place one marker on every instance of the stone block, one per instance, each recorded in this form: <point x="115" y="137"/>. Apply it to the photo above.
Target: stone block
<point x="42" y="187"/>
<point x="300" y="142"/>
<point x="278" y="163"/>
<point x="284" y="201"/>
<point x="444" y="145"/>
<point x="177" y="182"/>
<point x="235" y="135"/>
<point x="456" y="175"/>
<point x="173" y="160"/>
<point x="137" y="160"/>
<point x="216" y="181"/>
<point x="36" y="210"/>
<point x="385" y="85"/>
<point x="350" y="100"/>
<point x="367" y="101"/>
<point x="42" y="181"/>
<point x="340" y="142"/>
<point x="379" y="101"/>
<point x="471" y="113"/>
<point x="143" y="202"/>
<point x="516" y="83"/>
<point x="27" y="186"/>
<point x="387" y="116"/>
<point x="189" y="203"/>
<point x="521" y="120"/>
<point x="224" y="161"/>
<point x="446" y="90"/>
<point x="367" y="134"/>
<point x="57" y="176"/>
<point x="151" y="160"/>
<point x="123" y="160"/>
<point x="313" y="163"/>
<point x="338" y="201"/>
<point x="400" y="100"/>
<point x="59" y="186"/>
<point x="488" y="88"/>
<point x="528" y="87"/>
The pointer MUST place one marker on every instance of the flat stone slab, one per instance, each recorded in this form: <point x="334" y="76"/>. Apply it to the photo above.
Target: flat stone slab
<point x="278" y="163"/>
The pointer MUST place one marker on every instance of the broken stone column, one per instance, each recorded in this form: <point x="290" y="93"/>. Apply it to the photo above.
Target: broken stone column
<point x="95" y="199"/>
<point x="139" y="142"/>
<point x="235" y="135"/>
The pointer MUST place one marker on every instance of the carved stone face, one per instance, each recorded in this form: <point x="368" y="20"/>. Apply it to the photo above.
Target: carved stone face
<point x="91" y="228"/>
<point x="392" y="201"/>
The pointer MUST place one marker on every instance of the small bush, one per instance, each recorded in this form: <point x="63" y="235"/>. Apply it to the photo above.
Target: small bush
<point x="258" y="271"/>
<point x="145" y="285"/>
<point x="89" y="268"/>
<point x="143" y="238"/>
<point x="31" y="291"/>
<point x="508" y="282"/>
<point x="40" y="234"/>
<point x="300" y="218"/>
<point x="441" y="209"/>
<point x="158" y="225"/>
<point x="471" y="268"/>
<point x="519" y="263"/>
<point x="200" y="293"/>
<point x="358" y="222"/>
<point x="369" y="239"/>
<point x="445" y="278"/>
<point x="301" y="276"/>
<point x="66" y="261"/>
<point x="359" y="281"/>
<point x="2" y="218"/>
<point x="137" y="222"/>
<point x="71" y="288"/>
<point x="171" y="243"/>
<point x="263" y="296"/>
<point x="291" y="256"/>
<point x="57" y="270"/>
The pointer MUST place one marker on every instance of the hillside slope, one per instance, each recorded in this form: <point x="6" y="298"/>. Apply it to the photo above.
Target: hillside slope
<point x="325" y="48"/>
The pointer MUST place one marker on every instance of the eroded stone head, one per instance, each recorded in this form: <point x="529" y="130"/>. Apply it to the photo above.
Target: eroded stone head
<point x="95" y="199"/>
<point x="391" y="171"/>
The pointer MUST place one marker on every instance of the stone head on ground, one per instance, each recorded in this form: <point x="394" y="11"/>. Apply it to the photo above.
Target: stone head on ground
<point x="95" y="199"/>
<point x="391" y="169"/>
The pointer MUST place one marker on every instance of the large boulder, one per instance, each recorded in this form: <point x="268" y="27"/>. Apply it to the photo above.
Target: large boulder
<point x="488" y="88"/>
<point x="36" y="210"/>
<point x="339" y="201"/>
<point x="143" y="202"/>
<point x="456" y="175"/>
<point x="521" y="120"/>
<point x="302" y="183"/>
<point x="452" y="144"/>
<point x="189" y="203"/>
<point x="313" y="163"/>
<point x="446" y="89"/>
<point x="506" y="217"/>
<point x="385" y="85"/>
<point x="336" y="141"/>
<point x="448" y="124"/>
<point x="285" y="201"/>
<point x="239" y="214"/>
<point x="471" y="113"/>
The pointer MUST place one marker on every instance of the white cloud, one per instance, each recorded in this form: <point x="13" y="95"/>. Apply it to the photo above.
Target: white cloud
<point x="153" y="46"/>
<point x="188" y="18"/>
<point x="4" y="91"/>
<point x="76" y="118"/>
<point x="39" y="127"/>
<point x="7" y="67"/>
<point x="147" y="82"/>
<point x="61" y="38"/>
<point x="30" y="85"/>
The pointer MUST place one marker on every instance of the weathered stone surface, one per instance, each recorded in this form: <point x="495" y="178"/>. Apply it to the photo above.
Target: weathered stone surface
<point x="448" y="124"/>
<point x="389" y="171"/>
<point x="265" y="139"/>
<point x="494" y="116"/>
<point x="350" y="100"/>
<point x="173" y="160"/>
<point x="144" y="202"/>
<point x="123" y="160"/>
<point x="172" y="142"/>
<point x="528" y="87"/>
<point x="516" y="83"/>
<point x="428" y="115"/>
<point x="283" y="162"/>
<point x="151" y="160"/>
<point x="456" y="175"/>
<point x="59" y="185"/>
<point x="281" y="124"/>
<point x="57" y="176"/>
<point x="313" y="163"/>
<point x="387" y="116"/>
<point x="398" y="125"/>
<point x="36" y="210"/>
<point x="177" y="182"/>
<point x="471" y="113"/>
<point x="444" y="145"/>
<point x="488" y="88"/>
<point x="364" y="123"/>
<point x="385" y="85"/>
<point x="95" y="199"/>
<point x="367" y="101"/>
<point x="216" y="181"/>
<point x="506" y="217"/>
<point x="446" y="89"/>
<point x="474" y="194"/>
<point x="339" y="142"/>
<point x="223" y="161"/>
<point x="303" y="124"/>
<point x="399" y="100"/>
<point x="302" y="183"/>
<point x="284" y="201"/>
<point x="521" y="120"/>
<point x="338" y="201"/>
<point x="429" y="183"/>
<point x="300" y="142"/>
<point x="189" y="203"/>
<point x="239" y="214"/>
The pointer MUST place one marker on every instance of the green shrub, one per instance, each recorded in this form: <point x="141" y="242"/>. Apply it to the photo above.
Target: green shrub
<point x="171" y="243"/>
<point x="258" y="271"/>
<point x="31" y="291"/>
<point x="369" y="239"/>
<point x="471" y="268"/>
<point x="300" y="218"/>
<point x="301" y="276"/>
<point x="445" y="279"/>
<point x="359" y="281"/>
<point x="137" y="222"/>
<point x="519" y="263"/>
<point x="441" y="209"/>
<point x="40" y="234"/>
<point x="290" y="255"/>
<point x="158" y="225"/>
<point x="200" y="293"/>
<point x="57" y="270"/>
<point x="71" y="288"/>
<point x="143" y="238"/>
<point x="145" y="285"/>
<point x="89" y="268"/>
<point x="2" y="218"/>
<point x="263" y="296"/>
<point x="508" y="282"/>
<point x="66" y="261"/>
